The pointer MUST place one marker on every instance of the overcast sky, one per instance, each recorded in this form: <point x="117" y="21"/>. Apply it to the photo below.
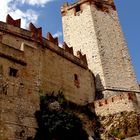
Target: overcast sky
<point x="46" y="13"/>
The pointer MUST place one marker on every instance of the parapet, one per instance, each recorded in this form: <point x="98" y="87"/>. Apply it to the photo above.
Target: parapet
<point x="126" y="101"/>
<point x="120" y="97"/>
<point x="102" y="5"/>
<point x="34" y="35"/>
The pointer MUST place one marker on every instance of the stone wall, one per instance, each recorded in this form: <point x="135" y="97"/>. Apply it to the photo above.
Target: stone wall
<point x="47" y="52"/>
<point x="19" y="99"/>
<point x="133" y="138"/>
<point x="120" y="125"/>
<point x="98" y="34"/>
<point x="56" y="73"/>
<point x="29" y="66"/>
<point x="115" y="104"/>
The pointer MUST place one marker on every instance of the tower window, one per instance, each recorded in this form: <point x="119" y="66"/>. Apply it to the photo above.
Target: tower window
<point x="78" y="9"/>
<point x="13" y="72"/>
<point x="99" y="5"/>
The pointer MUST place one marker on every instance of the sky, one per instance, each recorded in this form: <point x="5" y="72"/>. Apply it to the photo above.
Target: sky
<point x="46" y="14"/>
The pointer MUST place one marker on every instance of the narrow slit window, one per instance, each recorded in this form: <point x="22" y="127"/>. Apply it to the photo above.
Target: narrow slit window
<point x="0" y="38"/>
<point x="1" y="69"/>
<point x="13" y="72"/>
<point x="75" y="77"/>
<point x="76" y="81"/>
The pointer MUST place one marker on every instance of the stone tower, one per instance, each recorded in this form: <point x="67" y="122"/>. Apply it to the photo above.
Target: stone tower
<point x="93" y="27"/>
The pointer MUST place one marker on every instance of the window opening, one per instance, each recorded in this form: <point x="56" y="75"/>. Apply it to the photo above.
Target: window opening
<point x="76" y="77"/>
<point x="0" y="38"/>
<point x="13" y="72"/>
<point x="78" y="9"/>
<point x="1" y="69"/>
<point x="99" y="5"/>
<point x="76" y="81"/>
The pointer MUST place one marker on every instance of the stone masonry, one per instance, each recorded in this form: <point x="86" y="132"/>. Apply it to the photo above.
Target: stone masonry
<point x="29" y="65"/>
<point x="98" y="34"/>
<point x="123" y="102"/>
<point x="93" y="67"/>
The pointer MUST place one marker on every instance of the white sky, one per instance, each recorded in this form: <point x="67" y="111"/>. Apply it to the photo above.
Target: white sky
<point x="12" y="7"/>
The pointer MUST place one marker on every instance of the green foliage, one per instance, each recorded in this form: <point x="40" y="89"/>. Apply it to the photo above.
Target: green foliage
<point x="58" y="125"/>
<point x="115" y="132"/>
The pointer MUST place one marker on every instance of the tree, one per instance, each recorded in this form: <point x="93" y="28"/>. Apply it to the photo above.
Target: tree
<point x="57" y="124"/>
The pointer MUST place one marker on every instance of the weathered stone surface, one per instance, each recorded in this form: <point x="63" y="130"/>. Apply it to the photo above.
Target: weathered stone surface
<point x="120" y="125"/>
<point x="31" y="65"/>
<point x="28" y="68"/>
<point x="98" y="34"/>
<point x="133" y="138"/>
<point x="117" y="103"/>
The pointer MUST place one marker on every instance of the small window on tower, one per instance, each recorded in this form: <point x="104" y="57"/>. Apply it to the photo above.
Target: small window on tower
<point x="78" y="9"/>
<point x="13" y="72"/>
<point x="99" y="5"/>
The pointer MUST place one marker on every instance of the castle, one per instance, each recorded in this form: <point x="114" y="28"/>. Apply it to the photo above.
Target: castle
<point x="93" y="66"/>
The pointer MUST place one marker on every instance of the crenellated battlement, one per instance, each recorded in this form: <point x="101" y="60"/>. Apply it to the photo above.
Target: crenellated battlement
<point x="66" y="48"/>
<point x="34" y="35"/>
<point x="103" y="5"/>
<point x="11" y="21"/>
<point x="116" y="98"/>
<point x="36" y="32"/>
<point x="126" y="101"/>
<point x="50" y="38"/>
<point x="81" y="57"/>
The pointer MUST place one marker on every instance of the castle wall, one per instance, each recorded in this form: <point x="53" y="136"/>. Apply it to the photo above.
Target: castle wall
<point x="50" y="63"/>
<point x="115" y="104"/>
<point x="133" y="138"/>
<point x="58" y="75"/>
<point x="18" y="98"/>
<point x="98" y="34"/>
<point x="31" y="65"/>
<point x="29" y="68"/>
<point x="55" y="73"/>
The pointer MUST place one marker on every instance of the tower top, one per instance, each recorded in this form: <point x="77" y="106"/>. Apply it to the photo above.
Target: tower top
<point x="100" y="4"/>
